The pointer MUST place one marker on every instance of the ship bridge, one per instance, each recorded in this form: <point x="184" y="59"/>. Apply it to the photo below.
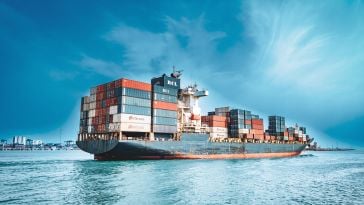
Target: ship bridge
<point x="189" y="111"/>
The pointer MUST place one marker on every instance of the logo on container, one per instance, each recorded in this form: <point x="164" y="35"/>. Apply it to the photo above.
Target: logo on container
<point x="169" y="82"/>
<point x="136" y="118"/>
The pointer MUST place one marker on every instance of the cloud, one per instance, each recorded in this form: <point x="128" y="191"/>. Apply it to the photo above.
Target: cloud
<point x="101" y="67"/>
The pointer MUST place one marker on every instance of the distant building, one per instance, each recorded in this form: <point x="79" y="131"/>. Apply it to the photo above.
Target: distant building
<point x="30" y="142"/>
<point x="3" y="142"/>
<point x="37" y="142"/>
<point x="19" y="140"/>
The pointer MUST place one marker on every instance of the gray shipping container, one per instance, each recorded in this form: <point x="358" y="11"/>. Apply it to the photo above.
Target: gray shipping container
<point x="164" y="121"/>
<point x="164" y="129"/>
<point x="164" y="113"/>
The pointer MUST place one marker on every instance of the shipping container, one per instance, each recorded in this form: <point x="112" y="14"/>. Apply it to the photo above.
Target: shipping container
<point x="164" y="113"/>
<point x="130" y="109"/>
<point x="130" y="118"/>
<point x="93" y="90"/>
<point x="135" y="127"/>
<point x="127" y="83"/>
<point x="164" y="129"/>
<point x="165" y="98"/>
<point x="113" y="110"/>
<point x="218" y="135"/>
<point x="164" y="121"/>
<point x="164" y="105"/>
<point x="133" y="93"/>
<point x="165" y="90"/>
<point x="126" y="100"/>
<point x="218" y="129"/>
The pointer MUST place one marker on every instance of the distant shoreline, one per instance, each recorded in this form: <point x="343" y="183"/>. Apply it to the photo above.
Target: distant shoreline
<point x="329" y="149"/>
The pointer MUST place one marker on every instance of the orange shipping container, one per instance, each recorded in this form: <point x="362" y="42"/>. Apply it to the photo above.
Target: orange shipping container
<point x="126" y="83"/>
<point x="217" y="124"/>
<point x="248" y="122"/>
<point x="249" y="136"/>
<point x="259" y="136"/>
<point x="164" y="105"/>
<point x="257" y="122"/>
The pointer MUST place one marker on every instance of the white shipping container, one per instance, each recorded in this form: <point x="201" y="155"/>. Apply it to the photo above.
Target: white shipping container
<point x="116" y="118"/>
<point x="92" y="113"/>
<point x="218" y="135"/>
<point x="92" y="105"/>
<point x="86" y="107"/>
<point x="113" y="110"/>
<point x="114" y="127"/>
<point x="218" y="129"/>
<point x="89" y="121"/>
<point x="244" y="131"/>
<point x="90" y="129"/>
<point x="134" y="127"/>
<point x="130" y="118"/>
<point x="93" y="98"/>
<point x="93" y="90"/>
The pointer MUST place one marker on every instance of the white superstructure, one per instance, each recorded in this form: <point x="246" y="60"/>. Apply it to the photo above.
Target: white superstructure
<point x="189" y="111"/>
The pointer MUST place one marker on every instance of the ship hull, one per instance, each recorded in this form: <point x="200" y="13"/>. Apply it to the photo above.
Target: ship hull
<point x="137" y="149"/>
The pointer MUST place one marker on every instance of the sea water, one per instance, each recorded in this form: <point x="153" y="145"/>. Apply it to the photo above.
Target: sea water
<point x="73" y="177"/>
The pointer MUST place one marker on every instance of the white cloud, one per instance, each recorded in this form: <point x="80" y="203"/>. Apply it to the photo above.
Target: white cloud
<point x="101" y="67"/>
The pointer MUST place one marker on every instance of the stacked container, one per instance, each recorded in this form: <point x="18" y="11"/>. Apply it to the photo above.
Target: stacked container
<point x="257" y="128"/>
<point x="277" y="127"/>
<point x="117" y="106"/>
<point x="132" y="112"/>
<point x="218" y="125"/>
<point x="164" y="104"/>
<point x="240" y="123"/>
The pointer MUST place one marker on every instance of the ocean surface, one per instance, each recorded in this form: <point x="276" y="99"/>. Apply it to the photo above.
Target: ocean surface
<point x="73" y="177"/>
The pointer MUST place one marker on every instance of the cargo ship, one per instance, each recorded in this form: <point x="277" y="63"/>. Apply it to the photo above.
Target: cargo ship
<point x="127" y="120"/>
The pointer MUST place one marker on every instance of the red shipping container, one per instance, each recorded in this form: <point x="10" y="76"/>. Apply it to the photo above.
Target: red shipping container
<point x="113" y="101"/>
<point x="100" y="96"/>
<point x="217" y="124"/>
<point x="258" y="136"/>
<point x="290" y="138"/>
<point x="126" y="83"/>
<point x="100" y="88"/>
<point x="285" y="134"/>
<point x="110" y="85"/>
<point x="249" y="136"/>
<point x="164" y="105"/>
<point x="257" y="121"/>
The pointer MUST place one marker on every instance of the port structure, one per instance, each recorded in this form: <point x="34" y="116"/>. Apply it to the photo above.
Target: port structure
<point x="189" y="111"/>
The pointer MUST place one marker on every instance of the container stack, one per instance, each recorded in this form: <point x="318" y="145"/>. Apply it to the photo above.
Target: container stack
<point x="84" y="117"/>
<point x="240" y="124"/>
<point x="117" y="106"/>
<point x="132" y="113"/>
<point x="218" y="125"/>
<point x="257" y="128"/>
<point x="164" y="105"/>
<point x="277" y="127"/>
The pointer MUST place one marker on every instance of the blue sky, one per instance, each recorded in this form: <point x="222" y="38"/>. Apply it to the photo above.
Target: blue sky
<point x="300" y="59"/>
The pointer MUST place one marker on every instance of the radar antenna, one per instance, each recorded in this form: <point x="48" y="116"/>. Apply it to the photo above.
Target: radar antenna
<point x="176" y="73"/>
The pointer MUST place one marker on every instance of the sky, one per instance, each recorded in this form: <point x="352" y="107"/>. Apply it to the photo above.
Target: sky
<point x="299" y="59"/>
